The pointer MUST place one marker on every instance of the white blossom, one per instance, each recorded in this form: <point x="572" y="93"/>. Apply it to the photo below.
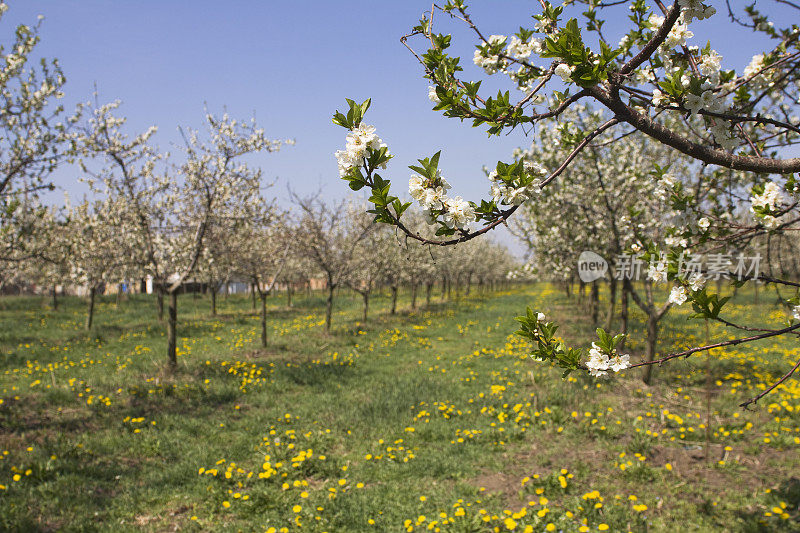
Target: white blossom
<point x="695" y="9"/>
<point x="657" y="272"/>
<point x="619" y="362"/>
<point x="696" y="281"/>
<point x="564" y="71"/>
<point x="459" y="213"/>
<point x="598" y="362"/>
<point x="678" y="295"/>
<point x="678" y="36"/>
<point x="432" y="95"/>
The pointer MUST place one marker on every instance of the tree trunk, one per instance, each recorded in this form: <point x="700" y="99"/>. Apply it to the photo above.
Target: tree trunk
<point x="413" y="296"/>
<point x="213" y="300"/>
<point x="288" y="295"/>
<point x="329" y="308"/>
<point x="263" y="319"/>
<point x="449" y="288"/>
<point x="469" y="284"/>
<point x="444" y="286"/>
<point x="90" y="313"/>
<point x="428" y="289"/>
<point x="612" y="302"/>
<point x="55" y="298"/>
<point x="623" y="316"/>
<point x="650" y="348"/>
<point x="394" y="299"/>
<point x="172" y="326"/>
<point x="594" y="304"/>
<point x="253" y="291"/>
<point x="160" y="303"/>
<point x="365" y="296"/>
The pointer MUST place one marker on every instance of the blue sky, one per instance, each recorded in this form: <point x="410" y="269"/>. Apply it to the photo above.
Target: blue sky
<point x="291" y="63"/>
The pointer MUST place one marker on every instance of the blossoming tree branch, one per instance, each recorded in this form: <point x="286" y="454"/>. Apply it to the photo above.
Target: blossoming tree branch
<point x="734" y="132"/>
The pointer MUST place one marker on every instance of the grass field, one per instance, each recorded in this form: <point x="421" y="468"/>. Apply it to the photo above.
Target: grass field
<point x="434" y="420"/>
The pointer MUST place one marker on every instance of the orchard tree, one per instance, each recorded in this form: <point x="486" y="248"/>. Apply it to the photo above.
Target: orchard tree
<point x="617" y="202"/>
<point x="297" y="269"/>
<point x="217" y="261"/>
<point x="95" y="247"/>
<point x="49" y="266"/>
<point x="328" y="235"/>
<point x="169" y="208"/>
<point x="646" y="80"/>
<point x="259" y="246"/>
<point x="34" y="137"/>
<point x="372" y="264"/>
<point x="418" y="260"/>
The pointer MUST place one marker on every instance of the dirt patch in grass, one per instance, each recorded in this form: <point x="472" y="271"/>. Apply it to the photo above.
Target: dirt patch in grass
<point x="740" y="470"/>
<point x="27" y="422"/>
<point x="537" y="458"/>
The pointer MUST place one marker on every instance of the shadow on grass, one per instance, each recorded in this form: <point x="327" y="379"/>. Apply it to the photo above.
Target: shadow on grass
<point x="756" y="522"/>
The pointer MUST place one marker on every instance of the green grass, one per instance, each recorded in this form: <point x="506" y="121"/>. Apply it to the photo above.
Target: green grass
<point x="430" y="416"/>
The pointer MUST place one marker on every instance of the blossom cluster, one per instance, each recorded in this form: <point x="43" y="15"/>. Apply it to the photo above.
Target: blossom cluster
<point x="707" y="95"/>
<point x="600" y="362"/>
<point x="359" y="140"/>
<point x="456" y="212"/>
<point x="488" y="61"/>
<point x="764" y="204"/>
<point x="689" y="274"/>
<point x="501" y="52"/>
<point x="695" y="9"/>
<point x="517" y="193"/>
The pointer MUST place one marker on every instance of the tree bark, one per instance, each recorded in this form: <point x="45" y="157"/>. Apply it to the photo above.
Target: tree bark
<point x="650" y="348"/>
<point x="90" y="311"/>
<point x="329" y="308"/>
<point x="160" y="302"/>
<point x="172" y="326"/>
<point x="428" y="289"/>
<point x="594" y="304"/>
<point x="623" y="316"/>
<point x="365" y="296"/>
<point x="263" y="296"/>
<point x="612" y="302"/>
<point x="213" y="289"/>
<point x="413" y="296"/>
<point x="394" y="299"/>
